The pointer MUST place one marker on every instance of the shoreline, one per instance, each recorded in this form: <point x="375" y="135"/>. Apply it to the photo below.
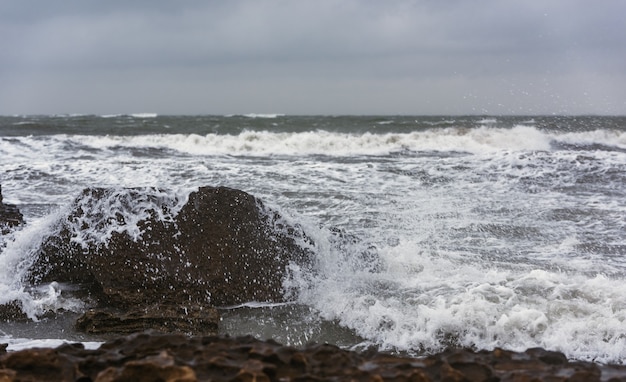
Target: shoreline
<point x="158" y="356"/>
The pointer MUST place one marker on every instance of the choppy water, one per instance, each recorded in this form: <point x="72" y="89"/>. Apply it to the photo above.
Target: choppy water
<point x="471" y="231"/>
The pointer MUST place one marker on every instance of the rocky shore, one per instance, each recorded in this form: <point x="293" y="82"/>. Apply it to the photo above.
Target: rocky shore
<point x="175" y="357"/>
<point x="159" y="294"/>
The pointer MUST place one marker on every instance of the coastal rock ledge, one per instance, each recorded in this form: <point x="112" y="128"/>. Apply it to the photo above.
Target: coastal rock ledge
<point x="173" y="357"/>
<point x="150" y="259"/>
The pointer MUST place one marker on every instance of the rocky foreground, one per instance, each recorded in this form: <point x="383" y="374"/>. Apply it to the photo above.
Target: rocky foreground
<point x="174" y="357"/>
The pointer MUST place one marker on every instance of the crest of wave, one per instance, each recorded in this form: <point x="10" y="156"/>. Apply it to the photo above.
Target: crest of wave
<point x="484" y="139"/>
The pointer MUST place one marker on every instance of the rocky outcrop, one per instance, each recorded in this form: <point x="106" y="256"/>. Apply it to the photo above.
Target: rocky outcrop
<point x="10" y="216"/>
<point x="170" y="357"/>
<point x="139" y="256"/>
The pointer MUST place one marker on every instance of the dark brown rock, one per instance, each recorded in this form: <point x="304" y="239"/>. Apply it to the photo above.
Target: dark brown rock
<point x="12" y="311"/>
<point x="161" y="367"/>
<point x="10" y="216"/>
<point x="222" y="248"/>
<point x="171" y="357"/>
<point x="164" y="318"/>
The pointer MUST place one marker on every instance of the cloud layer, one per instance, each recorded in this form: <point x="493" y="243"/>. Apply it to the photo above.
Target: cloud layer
<point x="322" y="57"/>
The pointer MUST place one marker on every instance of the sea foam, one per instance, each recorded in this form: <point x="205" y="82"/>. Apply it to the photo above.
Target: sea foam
<point x="415" y="301"/>
<point x="481" y="140"/>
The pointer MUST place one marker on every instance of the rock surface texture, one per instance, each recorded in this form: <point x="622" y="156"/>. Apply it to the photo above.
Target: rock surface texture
<point x="10" y="216"/>
<point x="145" y="260"/>
<point x="170" y="357"/>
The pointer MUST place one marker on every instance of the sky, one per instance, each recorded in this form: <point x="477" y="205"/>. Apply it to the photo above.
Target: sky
<point x="419" y="57"/>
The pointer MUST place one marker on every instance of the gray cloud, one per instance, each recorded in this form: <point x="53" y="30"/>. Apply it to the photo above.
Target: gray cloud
<point x="328" y="56"/>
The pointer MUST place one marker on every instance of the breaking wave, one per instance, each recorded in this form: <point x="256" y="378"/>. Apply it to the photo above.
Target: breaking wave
<point x="483" y="140"/>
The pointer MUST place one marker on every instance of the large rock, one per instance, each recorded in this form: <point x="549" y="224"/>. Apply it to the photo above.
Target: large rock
<point x="170" y="357"/>
<point x="10" y="216"/>
<point x="134" y="250"/>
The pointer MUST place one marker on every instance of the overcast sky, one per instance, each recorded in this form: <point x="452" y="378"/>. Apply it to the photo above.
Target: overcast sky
<point x="313" y="57"/>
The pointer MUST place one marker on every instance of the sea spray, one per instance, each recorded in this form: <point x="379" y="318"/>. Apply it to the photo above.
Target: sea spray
<point x="15" y="261"/>
<point x="429" y="302"/>
<point x="102" y="212"/>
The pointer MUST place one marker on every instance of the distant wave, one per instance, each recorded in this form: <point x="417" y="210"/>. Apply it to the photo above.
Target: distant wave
<point x="253" y="115"/>
<point x="322" y="142"/>
<point x="488" y="121"/>
<point x="134" y="115"/>
<point x="262" y="143"/>
<point x="438" y="123"/>
<point x="144" y="115"/>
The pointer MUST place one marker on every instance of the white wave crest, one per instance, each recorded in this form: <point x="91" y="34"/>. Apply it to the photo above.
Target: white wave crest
<point x="614" y="138"/>
<point x="480" y="140"/>
<point x="270" y="116"/>
<point x="144" y="115"/>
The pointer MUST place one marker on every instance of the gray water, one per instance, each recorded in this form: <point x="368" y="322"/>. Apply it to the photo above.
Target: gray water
<point x="485" y="231"/>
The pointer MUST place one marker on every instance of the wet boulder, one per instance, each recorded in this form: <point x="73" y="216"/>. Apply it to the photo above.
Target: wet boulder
<point x="10" y="216"/>
<point x="134" y="249"/>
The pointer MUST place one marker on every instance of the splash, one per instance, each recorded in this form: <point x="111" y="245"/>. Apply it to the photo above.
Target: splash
<point x="99" y="213"/>
<point x="403" y="297"/>
<point x="105" y="211"/>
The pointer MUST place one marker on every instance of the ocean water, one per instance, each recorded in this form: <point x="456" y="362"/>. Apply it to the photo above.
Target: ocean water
<point x="467" y="231"/>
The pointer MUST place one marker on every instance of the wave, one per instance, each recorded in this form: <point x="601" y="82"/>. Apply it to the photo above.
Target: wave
<point x="144" y="115"/>
<point x="481" y="140"/>
<point x="397" y="294"/>
<point x="262" y="143"/>
<point x="269" y="116"/>
<point x="417" y="302"/>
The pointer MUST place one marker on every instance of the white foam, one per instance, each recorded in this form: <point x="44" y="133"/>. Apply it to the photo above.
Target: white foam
<point x="15" y="260"/>
<point x="420" y="301"/>
<point x="18" y="344"/>
<point x="270" y="116"/>
<point x="480" y="140"/>
<point x="144" y="115"/>
<point x="117" y="210"/>
<point x="613" y="138"/>
<point x="120" y="210"/>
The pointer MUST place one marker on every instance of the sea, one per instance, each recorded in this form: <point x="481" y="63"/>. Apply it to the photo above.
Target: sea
<point x="457" y="231"/>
